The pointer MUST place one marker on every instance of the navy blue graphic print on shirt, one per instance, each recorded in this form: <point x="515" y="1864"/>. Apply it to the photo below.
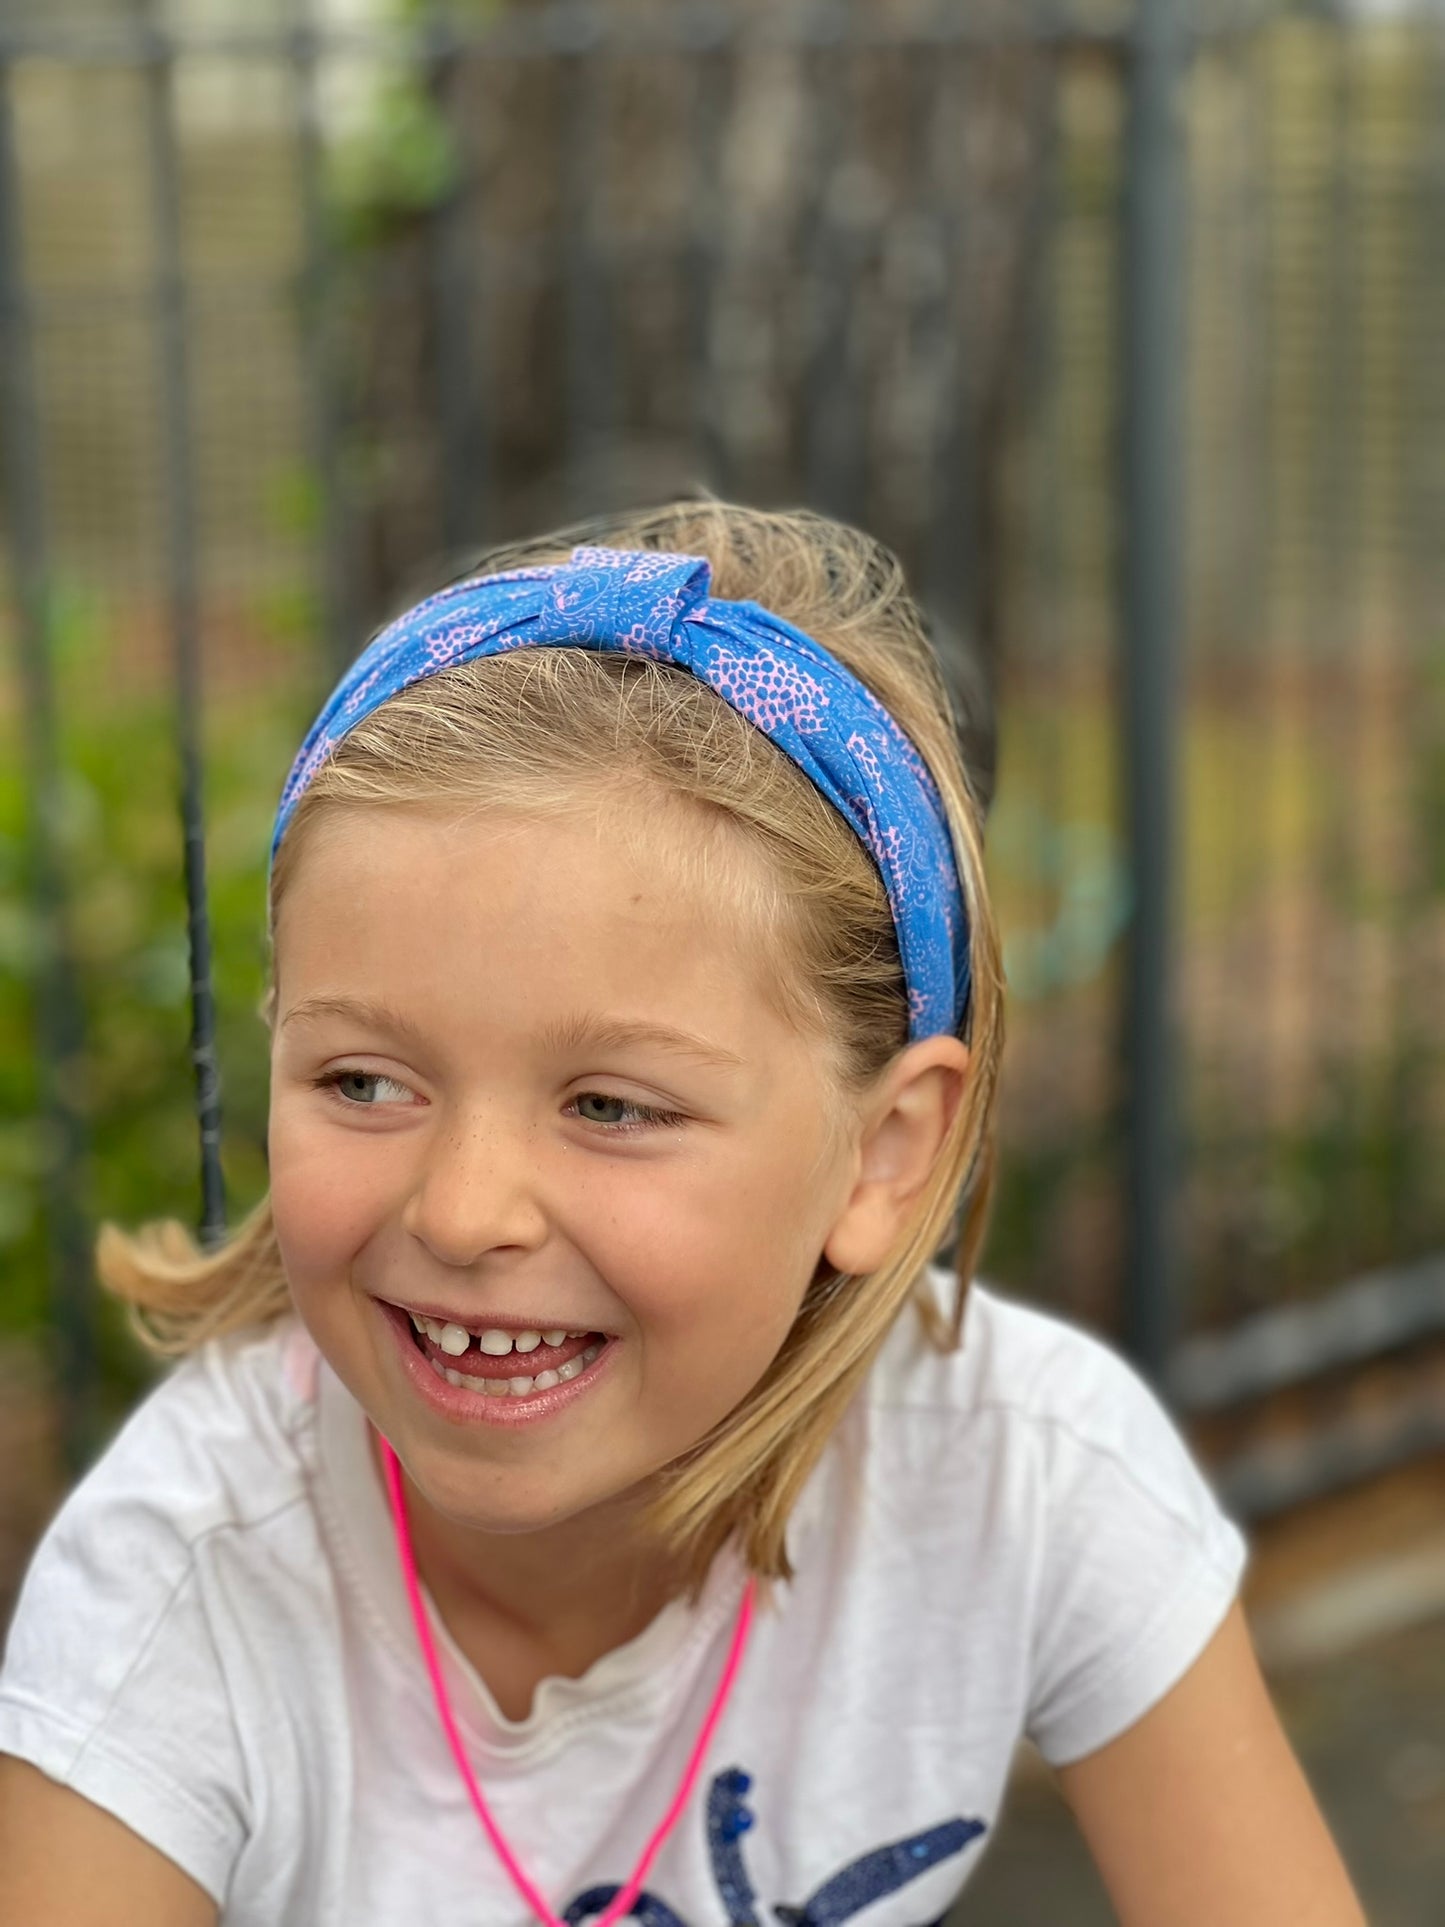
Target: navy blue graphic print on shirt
<point x="842" y="1895"/>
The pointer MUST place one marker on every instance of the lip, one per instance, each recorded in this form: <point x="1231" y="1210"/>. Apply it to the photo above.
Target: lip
<point x="460" y="1407"/>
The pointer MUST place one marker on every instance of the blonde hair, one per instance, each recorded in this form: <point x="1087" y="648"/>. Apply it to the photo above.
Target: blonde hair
<point x="535" y="729"/>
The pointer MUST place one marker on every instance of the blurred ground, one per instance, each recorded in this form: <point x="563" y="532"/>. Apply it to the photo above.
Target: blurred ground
<point x="1346" y="1598"/>
<point x="30" y="1478"/>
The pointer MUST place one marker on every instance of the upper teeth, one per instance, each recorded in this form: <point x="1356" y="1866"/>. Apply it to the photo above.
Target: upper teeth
<point x="454" y="1339"/>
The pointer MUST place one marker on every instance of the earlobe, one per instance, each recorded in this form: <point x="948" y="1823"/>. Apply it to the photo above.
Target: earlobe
<point x="898" y="1151"/>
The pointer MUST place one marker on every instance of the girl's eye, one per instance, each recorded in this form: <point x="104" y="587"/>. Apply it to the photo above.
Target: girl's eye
<point x="355" y="1088"/>
<point x="643" y="1116"/>
<point x="361" y="1090"/>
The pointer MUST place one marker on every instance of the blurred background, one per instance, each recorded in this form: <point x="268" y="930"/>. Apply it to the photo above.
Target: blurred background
<point x="1123" y="324"/>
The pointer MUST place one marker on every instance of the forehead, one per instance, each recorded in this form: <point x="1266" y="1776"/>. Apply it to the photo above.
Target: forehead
<point x="650" y="905"/>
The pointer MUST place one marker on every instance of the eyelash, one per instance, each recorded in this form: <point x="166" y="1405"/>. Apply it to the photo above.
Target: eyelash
<point x="651" y="1118"/>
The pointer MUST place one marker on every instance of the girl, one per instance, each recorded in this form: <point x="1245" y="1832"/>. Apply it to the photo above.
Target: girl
<point x="581" y="1496"/>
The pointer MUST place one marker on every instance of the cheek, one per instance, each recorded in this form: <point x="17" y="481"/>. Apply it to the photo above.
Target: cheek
<point x="322" y="1208"/>
<point x="700" y="1367"/>
<point x="715" y="1290"/>
<point x="751" y="1255"/>
<point x="704" y="1250"/>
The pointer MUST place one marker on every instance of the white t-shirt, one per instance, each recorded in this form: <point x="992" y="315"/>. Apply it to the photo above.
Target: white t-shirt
<point x="214" y="1643"/>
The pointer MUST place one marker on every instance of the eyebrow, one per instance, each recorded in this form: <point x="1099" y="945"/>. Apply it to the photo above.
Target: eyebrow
<point x="570" y="1033"/>
<point x="616" y="1033"/>
<point x="356" y="1010"/>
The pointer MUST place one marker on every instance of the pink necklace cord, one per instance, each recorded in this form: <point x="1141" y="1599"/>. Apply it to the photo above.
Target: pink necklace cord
<point x="622" y="1905"/>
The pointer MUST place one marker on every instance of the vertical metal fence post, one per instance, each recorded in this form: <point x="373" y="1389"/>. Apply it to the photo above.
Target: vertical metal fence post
<point x="834" y="430"/>
<point x="181" y="566"/>
<point x="59" y="1015"/>
<point x="453" y="234"/>
<point x="1152" y="372"/>
<point x="321" y="348"/>
<point x="586" y="270"/>
<point x="950" y="560"/>
<point x="707" y="242"/>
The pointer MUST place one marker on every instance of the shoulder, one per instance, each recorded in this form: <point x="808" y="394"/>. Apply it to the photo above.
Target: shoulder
<point x="116" y="1678"/>
<point x="1094" y="1502"/>
<point x="1031" y="1386"/>
<point x="218" y="1447"/>
<point x="220" y="1443"/>
<point x="1037" y="1367"/>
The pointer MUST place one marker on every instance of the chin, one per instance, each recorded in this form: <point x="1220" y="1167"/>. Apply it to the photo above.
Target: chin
<point x="507" y="1512"/>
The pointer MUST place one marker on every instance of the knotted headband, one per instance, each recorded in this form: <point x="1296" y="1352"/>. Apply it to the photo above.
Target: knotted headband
<point x="649" y="603"/>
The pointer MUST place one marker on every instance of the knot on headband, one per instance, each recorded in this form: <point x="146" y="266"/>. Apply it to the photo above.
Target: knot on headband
<point x="644" y="602"/>
<point x="628" y="599"/>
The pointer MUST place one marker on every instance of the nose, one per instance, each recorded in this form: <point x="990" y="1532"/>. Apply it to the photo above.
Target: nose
<point x="476" y="1192"/>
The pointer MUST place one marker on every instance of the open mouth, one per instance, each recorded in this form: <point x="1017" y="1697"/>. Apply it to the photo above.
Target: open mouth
<point x="499" y="1364"/>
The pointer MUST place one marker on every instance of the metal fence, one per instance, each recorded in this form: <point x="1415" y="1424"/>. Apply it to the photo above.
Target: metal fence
<point x="1121" y="324"/>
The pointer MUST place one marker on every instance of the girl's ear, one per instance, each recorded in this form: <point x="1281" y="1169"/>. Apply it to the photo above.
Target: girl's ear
<point x="903" y="1132"/>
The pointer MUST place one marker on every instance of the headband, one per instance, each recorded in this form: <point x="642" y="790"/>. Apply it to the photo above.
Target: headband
<point x="652" y="604"/>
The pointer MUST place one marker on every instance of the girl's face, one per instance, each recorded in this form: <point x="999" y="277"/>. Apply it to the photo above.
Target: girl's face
<point x="483" y="1107"/>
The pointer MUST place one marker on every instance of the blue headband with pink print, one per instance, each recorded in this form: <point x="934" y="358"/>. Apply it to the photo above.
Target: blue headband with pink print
<point x="652" y="604"/>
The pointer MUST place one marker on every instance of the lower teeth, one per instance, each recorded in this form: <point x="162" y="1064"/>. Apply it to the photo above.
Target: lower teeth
<point x="518" y="1387"/>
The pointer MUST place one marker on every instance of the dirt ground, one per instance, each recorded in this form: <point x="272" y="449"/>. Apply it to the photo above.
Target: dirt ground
<point x="1347" y="1602"/>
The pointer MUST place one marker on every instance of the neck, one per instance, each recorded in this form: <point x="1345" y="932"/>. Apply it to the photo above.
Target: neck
<point x="571" y="1591"/>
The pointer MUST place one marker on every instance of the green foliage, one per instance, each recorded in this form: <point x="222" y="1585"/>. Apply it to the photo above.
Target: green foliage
<point x="404" y="161"/>
<point x="1431" y="772"/>
<point x="402" y="164"/>
<point x="119" y="837"/>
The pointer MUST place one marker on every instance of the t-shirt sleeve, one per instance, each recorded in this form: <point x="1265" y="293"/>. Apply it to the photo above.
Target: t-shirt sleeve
<point x="1139" y="1563"/>
<point x="111" y="1684"/>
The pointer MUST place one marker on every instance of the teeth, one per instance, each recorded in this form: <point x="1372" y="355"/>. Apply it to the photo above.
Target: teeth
<point x="454" y="1339"/>
<point x="518" y="1387"/>
<point x="433" y="1327"/>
